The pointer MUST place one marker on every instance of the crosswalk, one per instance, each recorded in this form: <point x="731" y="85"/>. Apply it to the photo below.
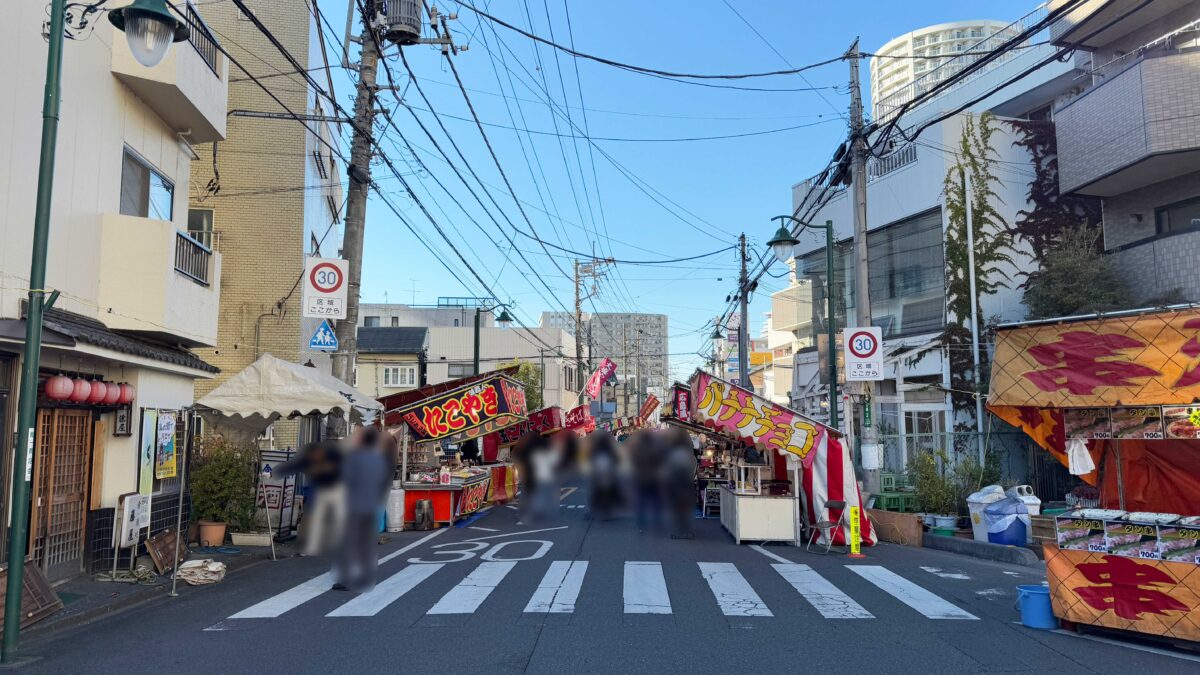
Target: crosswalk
<point x="644" y="590"/>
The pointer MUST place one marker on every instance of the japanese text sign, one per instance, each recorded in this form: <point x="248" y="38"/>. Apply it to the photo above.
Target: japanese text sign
<point x="604" y="371"/>
<point x="325" y="288"/>
<point x="682" y="403"/>
<point x="467" y="412"/>
<point x="648" y="407"/>
<point x="544" y="421"/>
<point x="863" y="354"/>
<point x="578" y="418"/>
<point x="729" y="408"/>
<point x="1147" y="359"/>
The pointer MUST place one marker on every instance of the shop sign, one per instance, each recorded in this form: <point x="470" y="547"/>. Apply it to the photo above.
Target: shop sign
<point x="578" y="417"/>
<point x="164" y="456"/>
<point x="648" y="407"/>
<point x="1182" y="422"/>
<point x="472" y="497"/>
<point x="542" y="421"/>
<point x="1155" y="597"/>
<point x="604" y="372"/>
<point x="468" y="412"/>
<point x="682" y="403"/>
<point x="1087" y="423"/>
<point x="726" y="407"/>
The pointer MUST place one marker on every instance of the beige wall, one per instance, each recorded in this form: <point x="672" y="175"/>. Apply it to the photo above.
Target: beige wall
<point x="498" y="346"/>
<point x="370" y="372"/>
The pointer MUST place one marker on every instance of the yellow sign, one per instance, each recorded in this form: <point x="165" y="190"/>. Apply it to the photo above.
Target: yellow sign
<point x="760" y="358"/>
<point x="855" y="534"/>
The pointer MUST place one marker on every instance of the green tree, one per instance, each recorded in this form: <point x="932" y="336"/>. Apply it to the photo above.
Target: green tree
<point x="1076" y="278"/>
<point x="530" y="375"/>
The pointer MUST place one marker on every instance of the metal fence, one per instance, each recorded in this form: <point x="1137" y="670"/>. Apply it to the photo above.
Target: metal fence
<point x="201" y="38"/>
<point x="192" y="258"/>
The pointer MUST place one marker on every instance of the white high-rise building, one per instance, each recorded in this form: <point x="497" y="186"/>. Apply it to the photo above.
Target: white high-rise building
<point x="927" y="56"/>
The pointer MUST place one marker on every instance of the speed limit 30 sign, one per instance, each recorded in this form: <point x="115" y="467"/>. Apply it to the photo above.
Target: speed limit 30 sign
<point x="863" y="354"/>
<point x="325" y="288"/>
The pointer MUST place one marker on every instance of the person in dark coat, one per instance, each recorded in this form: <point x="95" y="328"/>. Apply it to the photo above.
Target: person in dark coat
<point x="366" y="476"/>
<point x="679" y="482"/>
<point x="324" y="512"/>
<point x="645" y="453"/>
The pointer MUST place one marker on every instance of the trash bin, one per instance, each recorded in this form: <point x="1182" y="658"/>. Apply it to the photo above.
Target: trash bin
<point x="1025" y="494"/>
<point x="1007" y="521"/>
<point x="975" y="505"/>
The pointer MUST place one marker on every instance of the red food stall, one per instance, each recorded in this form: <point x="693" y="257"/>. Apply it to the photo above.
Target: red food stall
<point x="545" y="422"/>
<point x="1114" y="400"/>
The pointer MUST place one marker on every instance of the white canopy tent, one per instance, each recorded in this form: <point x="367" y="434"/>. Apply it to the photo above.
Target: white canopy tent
<point x="270" y="388"/>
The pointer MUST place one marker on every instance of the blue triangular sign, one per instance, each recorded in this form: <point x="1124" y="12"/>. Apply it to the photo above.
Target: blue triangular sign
<point x="323" y="339"/>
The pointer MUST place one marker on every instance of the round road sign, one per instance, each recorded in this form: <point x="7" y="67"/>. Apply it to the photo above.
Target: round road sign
<point x="326" y="278"/>
<point x="863" y="345"/>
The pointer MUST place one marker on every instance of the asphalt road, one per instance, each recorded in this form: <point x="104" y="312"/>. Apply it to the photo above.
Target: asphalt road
<point x="586" y="596"/>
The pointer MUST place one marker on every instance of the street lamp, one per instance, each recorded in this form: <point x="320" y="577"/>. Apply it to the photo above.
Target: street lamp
<point x="782" y="245"/>
<point x="147" y="25"/>
<point x="505" y="320"/>
<point x="149" y="29"/>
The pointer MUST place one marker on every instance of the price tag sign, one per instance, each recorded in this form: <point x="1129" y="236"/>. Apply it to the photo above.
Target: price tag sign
<point x="325" y="288"/>
<point x="863" y="349"/>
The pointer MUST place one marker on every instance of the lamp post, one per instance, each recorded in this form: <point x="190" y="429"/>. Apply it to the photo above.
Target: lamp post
<point x="782" y="244"/>
<point x="505" y="320"/>
<point x="149" y="28"/>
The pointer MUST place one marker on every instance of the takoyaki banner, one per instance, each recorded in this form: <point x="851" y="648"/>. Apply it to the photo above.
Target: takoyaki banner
<point x="468" y="412"/>
<point x="1118" y="362"/>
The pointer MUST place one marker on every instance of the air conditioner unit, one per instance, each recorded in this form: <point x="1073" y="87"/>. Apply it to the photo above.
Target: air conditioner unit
<point x="402" y="21"/>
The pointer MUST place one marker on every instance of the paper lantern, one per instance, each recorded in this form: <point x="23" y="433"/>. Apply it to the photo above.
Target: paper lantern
<point x="81" y="390"/>
<point x="59" y="387"/>
<point x="127" y="394"/>
<point x="112" y="393"/>
<point x="98" y="393"/>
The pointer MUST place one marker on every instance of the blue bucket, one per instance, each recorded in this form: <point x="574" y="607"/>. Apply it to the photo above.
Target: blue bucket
<point x="1034" y="603"/>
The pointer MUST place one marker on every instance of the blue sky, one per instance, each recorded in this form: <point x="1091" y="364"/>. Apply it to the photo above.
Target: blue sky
<point x="702" y="194"/>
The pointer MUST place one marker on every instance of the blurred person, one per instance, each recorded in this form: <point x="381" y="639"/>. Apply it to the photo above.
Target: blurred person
<point x="645" y="455"/>
<point x="325" y="504"/>
<point x="679" y="482"/>
<point x="537" y="466"/>
<point x="366" y="475"/>
<point x="604" y="488"/>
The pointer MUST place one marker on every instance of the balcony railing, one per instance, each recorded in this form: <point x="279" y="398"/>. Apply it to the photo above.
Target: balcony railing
<point x="201" y="38"/>
<point x="192" y="258"/>
<point x="881" y="166"/>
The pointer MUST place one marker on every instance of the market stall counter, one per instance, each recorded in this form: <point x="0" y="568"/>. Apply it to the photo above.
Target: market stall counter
<point x="1114" y="399"/>
<point x="465" y="493"/>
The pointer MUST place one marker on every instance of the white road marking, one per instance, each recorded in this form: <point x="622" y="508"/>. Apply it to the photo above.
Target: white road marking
<point x="298" y="595"/>
<point x="559" y="589"/>
<point x="483" y="529"/>
<point x="510" y="506"/>
<point x="734" y="594"/>
<point x="772" y="556"/>
<point x="1012" y="574"/>
<point x="909" y="593"/>
<point x="470" y="593"/>
<point x="946" y="575"/>
<point x="645" y="589"/>
<point x="387" y="591"/>
<point x="566" y="492"/>
<point x="991" y="592"/>
<point x="826" y="598"/>
<point x="289" y="599"/>
<point x="513" y="534"/>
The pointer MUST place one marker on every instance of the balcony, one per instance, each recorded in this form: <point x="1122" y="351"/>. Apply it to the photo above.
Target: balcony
<point x="1137" y="127"/>
<point x="189" y="89"/>
<point x="791" y="308"/>
<point x="156" y="279"/>
<point x="1098" y="23"/>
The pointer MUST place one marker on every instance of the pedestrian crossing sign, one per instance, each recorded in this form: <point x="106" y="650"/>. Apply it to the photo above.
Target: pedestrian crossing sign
<point x="323" y="339"/>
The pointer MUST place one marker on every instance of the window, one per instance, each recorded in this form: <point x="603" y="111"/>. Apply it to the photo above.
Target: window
<point x="456" y="323"/>
<point x="371" y="322"/>
<point x="1178" y="217"/>
<point x="200" y="225"/>
<point x="457" y="370"/>
<point x="400" y="376"/>
<point x="395" y="322"/>
<point x="919" y="42"/>
<point x="976" y="32"/>
<point x="145" y="192"/>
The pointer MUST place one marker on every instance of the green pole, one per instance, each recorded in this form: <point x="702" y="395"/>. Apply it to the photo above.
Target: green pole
<point x="31" y="360"/>
<point x="829" y="327"/>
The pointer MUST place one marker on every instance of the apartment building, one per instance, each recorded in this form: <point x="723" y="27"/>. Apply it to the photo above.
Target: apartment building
<point x="139" y="294"/>
<point x="280" y="192"/>
<point x="639" y="345"/>
<point x="907" y="220"/>
<point x="1128" y="133"/>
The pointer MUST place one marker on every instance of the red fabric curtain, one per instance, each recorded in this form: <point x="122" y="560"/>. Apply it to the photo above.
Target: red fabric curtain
<point x="1159" y="476"/>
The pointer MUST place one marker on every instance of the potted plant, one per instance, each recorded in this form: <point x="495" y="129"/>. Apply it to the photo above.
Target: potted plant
<point x="936" y="493"/>
<point x="223" y="489"/>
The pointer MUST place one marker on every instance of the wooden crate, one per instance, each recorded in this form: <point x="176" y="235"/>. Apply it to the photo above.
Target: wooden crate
<point x="38" y="600"/>
<point x="1043" y="528"/>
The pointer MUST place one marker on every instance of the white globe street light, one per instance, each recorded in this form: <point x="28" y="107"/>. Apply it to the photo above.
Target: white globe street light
<point x="149" y="28"/>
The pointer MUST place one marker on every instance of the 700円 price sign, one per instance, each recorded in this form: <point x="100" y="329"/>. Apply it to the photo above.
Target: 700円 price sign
<point x="325" y="288"/>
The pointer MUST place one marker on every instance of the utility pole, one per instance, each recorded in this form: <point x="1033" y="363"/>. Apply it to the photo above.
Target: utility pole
<point x="583" y="374"/>
<point x="359" y="173"/>
<point x="637" y="367"/>
<point x="869" y="446"/>
<point x="743" y="335"/>
<point x="625" y="364"/>
<point x="585" y="270"/>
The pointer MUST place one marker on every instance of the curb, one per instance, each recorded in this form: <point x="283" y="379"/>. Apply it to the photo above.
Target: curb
<point x="42" y="630"/>
<point x="1015" y="555"/>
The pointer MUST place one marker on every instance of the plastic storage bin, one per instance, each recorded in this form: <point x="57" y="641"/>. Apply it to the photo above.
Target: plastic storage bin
<point x="1007" y="522"/>
<point x="1025" y="494"/>
<point x="975" y="505"/>
<point x="1034" y="604"/>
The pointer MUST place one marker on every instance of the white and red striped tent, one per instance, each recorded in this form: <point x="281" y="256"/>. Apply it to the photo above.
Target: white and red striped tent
<point x="831" y="478"/>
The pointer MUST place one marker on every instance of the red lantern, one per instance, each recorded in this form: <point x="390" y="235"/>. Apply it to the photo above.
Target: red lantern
<point x="59" y="387"/>
<point x="98" y="393"/>
<point x="127" y="394"/>
<point x="112" y="393"/>
<point x="81" y="390"/>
